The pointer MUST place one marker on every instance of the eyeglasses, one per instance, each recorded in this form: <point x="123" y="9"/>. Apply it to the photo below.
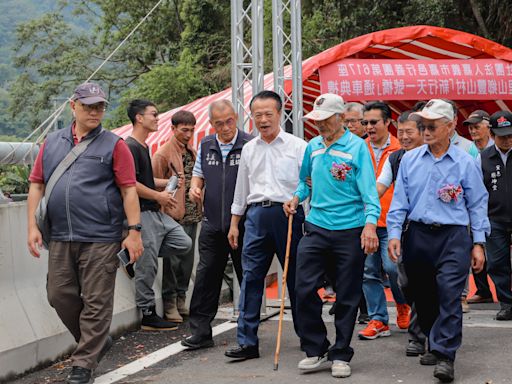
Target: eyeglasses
<point x="371" y="122"/>
<point x="219" y="123"/>
<point x="353" y="121"/>
<point x="98" y="107"/>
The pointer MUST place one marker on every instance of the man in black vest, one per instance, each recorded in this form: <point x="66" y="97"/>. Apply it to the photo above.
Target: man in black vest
<point x="86" y="210"/>
<point x="497" y="171"/>
<point x="214" y="174"/>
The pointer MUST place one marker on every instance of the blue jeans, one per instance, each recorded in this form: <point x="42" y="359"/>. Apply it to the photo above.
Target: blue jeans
<point x="372" y="281"/>
<point x="498" y="260"/>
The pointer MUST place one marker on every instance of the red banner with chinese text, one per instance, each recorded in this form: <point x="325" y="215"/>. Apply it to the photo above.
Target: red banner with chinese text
<point x="357" y="79"/>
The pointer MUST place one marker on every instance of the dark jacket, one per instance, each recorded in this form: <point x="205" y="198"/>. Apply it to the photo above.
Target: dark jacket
<point x="498" y="181"/>
<point x="220" y="179"/>
<point x="394" y="159"/>
<point x="85" y="204"/>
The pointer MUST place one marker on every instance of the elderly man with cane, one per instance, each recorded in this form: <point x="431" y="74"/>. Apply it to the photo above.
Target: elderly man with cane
<point x="439" y="191"/>
<point x="341" y="226"/>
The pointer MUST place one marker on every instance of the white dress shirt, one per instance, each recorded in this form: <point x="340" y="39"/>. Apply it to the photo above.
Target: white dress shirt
<point x="268" y="171"/>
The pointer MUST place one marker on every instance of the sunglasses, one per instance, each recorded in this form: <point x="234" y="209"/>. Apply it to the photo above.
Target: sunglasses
<point x="371" y="122"/>
<point x="430" y="127"/>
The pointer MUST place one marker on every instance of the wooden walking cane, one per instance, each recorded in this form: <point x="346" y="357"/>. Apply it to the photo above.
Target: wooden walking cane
<point x="283" y="292"/>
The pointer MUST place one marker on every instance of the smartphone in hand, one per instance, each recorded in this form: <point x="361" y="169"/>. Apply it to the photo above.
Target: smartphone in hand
<point x="124" y="256"/>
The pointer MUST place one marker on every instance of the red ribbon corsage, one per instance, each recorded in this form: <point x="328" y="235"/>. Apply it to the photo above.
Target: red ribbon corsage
<point x="340" y="171"/>
<point x="449" y="193"/>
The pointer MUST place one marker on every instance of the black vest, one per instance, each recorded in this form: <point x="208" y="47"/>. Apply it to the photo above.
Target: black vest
<point x="220" y="179"/>
<point x="498" y="181"/>
<point x="85" y="204"/>
<point x="394" y="159"/>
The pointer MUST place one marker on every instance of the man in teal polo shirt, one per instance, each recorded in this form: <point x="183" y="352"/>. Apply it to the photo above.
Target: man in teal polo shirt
<point x="339" y="230"/>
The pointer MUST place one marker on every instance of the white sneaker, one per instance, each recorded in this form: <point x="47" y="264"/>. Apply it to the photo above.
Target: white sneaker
<point x="340" y="368"/>
<point x="312" y="363"/>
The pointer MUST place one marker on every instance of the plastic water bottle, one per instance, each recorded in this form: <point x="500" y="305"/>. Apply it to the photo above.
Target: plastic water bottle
<point x="172" y="184"/>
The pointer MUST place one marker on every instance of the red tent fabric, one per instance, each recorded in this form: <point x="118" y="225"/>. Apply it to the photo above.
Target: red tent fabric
<point x="414" y="42"/>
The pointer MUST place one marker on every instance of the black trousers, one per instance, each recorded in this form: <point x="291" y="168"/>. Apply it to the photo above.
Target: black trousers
<point x="214" y="250"/>
<point x="436" y="261"/>
<point x="314" y="251"/>
<point x="481" y="283"/>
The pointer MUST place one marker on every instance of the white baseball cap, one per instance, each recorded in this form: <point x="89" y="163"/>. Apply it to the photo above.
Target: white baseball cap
<point x="436" y="109"/>
<point x="325" y="106"/>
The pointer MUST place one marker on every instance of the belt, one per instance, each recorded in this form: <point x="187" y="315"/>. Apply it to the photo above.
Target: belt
<point x="434" y="226"/>
<point x="266" y="204"/>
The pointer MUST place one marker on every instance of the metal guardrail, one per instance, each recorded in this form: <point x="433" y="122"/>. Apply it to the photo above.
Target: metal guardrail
<point x="18" y="153"/>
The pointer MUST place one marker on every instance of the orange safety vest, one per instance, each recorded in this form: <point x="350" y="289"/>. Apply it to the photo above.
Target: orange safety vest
<point x="385" y="200"/>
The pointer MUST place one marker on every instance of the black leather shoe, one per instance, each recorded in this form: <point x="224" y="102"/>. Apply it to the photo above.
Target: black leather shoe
<point x="80" y="375"/>
<point x="243" y="352"/>
<point x="504" y="314"/>
<point x="415" y="348"/>
<point x="196" y="342"/>
<point x="428" y="359"/>
<point x="106" y="348"/>
<point x="444" y="371"/>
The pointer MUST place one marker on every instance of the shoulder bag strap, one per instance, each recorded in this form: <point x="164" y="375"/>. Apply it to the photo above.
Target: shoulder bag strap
<point x="66" y="163"/>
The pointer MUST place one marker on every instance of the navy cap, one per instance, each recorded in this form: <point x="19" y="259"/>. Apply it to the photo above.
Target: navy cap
<point x="89" y="93"/>
<point x="501" y="123"/>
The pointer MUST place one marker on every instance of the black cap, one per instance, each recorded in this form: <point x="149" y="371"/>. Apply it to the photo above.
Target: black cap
<point x="89" y="93"/>
<point x="501" y="123"/>
<point x="476" y="117"/>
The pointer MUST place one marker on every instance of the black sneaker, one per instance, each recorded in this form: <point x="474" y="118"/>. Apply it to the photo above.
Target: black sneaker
<point x="444" y="371"/>
<point x="363" y="318"/>
<point x="80" y="375"/>
<point x="415" y="348"/>
<point x="196" y="342"/>
<point x="504" y="314"/>
<point x="428" y="359"/>
<point x="152" y="322"/>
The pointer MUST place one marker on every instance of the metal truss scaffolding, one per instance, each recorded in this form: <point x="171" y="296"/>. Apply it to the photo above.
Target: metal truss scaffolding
<point x="287" y="51"/>
<point x="248" y="56"/>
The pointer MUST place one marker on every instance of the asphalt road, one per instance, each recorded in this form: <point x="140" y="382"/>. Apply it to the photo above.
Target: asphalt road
<point x="485" y="357"/>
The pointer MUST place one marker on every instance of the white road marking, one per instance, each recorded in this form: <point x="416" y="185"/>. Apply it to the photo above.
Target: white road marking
<point x="153" y="358"/>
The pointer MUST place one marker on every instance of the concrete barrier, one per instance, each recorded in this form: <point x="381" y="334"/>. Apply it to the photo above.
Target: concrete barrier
<point x="31" y="334"/>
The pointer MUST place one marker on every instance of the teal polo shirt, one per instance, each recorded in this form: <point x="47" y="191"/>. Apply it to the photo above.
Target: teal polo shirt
<point x="344" y="191"/>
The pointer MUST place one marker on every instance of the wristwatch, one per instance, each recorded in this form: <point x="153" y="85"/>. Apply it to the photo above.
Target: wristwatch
<point x="137" y="227"/>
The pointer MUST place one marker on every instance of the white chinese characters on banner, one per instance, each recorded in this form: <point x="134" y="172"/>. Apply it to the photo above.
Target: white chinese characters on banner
<point x="357" y="79"/>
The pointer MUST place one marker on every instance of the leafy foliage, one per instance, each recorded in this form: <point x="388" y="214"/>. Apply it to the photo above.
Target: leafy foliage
<point x="14" y="178"/>
<point x="182" y="51"/>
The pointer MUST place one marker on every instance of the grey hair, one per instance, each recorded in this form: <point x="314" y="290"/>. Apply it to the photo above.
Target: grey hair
<point x="354" y="107"/>
<point x="220" y="104"/>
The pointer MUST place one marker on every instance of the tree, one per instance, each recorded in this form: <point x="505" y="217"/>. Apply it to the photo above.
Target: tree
<point x="182" y="51"/>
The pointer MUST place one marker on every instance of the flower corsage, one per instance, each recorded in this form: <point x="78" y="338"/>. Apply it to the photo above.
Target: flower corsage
<point x="340" y="171"/>
<point x="449" y="193"/>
